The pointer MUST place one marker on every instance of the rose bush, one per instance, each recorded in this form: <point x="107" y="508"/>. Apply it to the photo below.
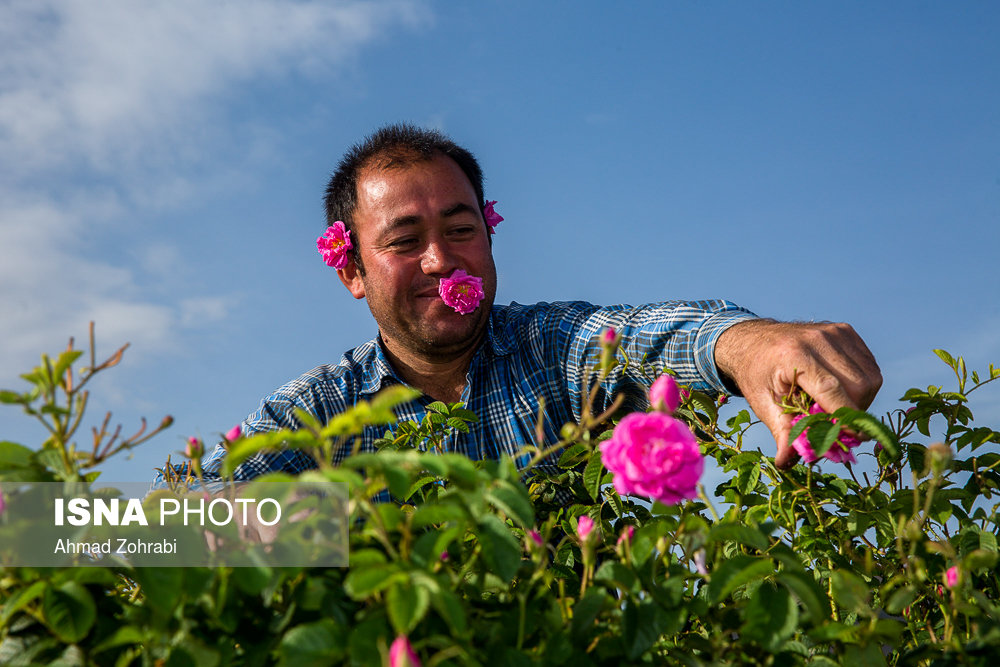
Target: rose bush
<point x="891" y="561"/>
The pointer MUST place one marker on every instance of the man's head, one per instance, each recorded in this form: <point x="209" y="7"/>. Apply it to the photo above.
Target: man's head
<point x="391" y="147"/>
<point x="416" y="216"/>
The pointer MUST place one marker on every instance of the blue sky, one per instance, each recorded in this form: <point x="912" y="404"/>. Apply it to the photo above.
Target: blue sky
<point x="163" y="167"/>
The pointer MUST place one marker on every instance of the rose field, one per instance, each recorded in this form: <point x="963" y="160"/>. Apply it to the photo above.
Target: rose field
<point x="873" y="550"/>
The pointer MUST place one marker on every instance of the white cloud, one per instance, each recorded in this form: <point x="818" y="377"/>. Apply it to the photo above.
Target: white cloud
<point x="108" y="82"/>
<point x="109" y="110"/>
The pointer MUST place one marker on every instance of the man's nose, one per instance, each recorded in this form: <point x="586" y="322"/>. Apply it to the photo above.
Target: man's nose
<point x="438" y="258"/>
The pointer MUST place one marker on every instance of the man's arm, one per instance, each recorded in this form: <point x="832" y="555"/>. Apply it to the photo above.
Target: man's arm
<point x="766" y="359"/>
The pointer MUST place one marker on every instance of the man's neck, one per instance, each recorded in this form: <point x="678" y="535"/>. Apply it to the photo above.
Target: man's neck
<point x="441" y="378"/>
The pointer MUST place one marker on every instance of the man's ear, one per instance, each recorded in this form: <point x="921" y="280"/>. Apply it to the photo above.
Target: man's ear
<point x="351" y="277"/>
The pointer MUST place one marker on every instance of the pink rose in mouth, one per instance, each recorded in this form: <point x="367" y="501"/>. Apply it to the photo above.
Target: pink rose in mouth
<point x="461" y="291"/>
<point x="492" y="217"/>
<point x="335" y="245"/>
<point x="654" y="455"/>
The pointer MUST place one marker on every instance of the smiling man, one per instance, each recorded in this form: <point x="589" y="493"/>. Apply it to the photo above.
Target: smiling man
<point x="409" y="211"/>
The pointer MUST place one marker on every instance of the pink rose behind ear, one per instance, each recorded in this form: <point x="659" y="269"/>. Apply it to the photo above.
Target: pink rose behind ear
<point x="335" y="245"/>
<point x="491" y="217"/>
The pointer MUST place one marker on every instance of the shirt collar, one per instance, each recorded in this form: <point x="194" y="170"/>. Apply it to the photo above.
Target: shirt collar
<point x="499" y="341"/>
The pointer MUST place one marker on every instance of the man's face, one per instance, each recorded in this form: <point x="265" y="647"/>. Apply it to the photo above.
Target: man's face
<point x="414" y="225"/>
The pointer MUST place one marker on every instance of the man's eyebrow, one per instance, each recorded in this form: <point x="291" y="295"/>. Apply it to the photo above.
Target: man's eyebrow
<point x="455" y="209"/>
<point x="401" y="221"/>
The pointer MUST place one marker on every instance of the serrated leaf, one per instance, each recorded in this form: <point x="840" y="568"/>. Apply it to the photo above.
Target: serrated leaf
<point x="69" y="611"/>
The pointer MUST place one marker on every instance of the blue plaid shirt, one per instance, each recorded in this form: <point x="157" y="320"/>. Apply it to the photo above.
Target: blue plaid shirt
<point x="532" y="355"/>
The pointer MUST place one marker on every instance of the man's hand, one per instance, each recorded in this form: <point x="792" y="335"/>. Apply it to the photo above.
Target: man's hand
<point x="829" y="361"/>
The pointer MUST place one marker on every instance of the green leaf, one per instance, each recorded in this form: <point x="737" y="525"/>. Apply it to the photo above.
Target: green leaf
<point x="812" y="596"/>
<point x="735" y="532"/>
<point x="319" y="643"/>
<point x="850" y="592"/>
<point x="20" y="600"/>
<point x="450" y="608"/>
<point x="736" y="572"/>
<point x="771" y="617"/>
<point x="12" y="397"/>
<point x="747" y="478"/>
<point x="573" y="456"/>
<point x="945" y="357"/>
<point x="859" y="420"/>
<point x="900" y="599"/>
<point x="515" y="503"/>
<point x="64" y="361"/>
<point x="499" y="547"/>
<point x="592" y="476"/>
<point x="407" y="605"/>
<point x="13" y="455"/>
<point x="162" y="587"/>
<point x="585" y="611"/>
<point x="437" y="406"/>
<point x="69" y="611"/>
<point x="362" y="583"/>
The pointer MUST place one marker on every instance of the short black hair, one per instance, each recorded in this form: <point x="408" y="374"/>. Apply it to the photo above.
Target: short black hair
<point x="391" y="146"/>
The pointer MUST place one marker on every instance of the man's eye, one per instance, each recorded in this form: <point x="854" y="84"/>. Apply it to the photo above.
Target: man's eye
<point x="402" y="243"/>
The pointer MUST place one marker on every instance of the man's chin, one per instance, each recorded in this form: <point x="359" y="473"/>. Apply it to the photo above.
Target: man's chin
<point x="453" y="331"/>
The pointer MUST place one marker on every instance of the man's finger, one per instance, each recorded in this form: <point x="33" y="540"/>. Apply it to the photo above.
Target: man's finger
<point x="780" y="425"/>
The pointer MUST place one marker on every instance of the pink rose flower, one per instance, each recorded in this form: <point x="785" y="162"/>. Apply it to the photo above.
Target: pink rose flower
<point x="195" y="448"/>
<point x="836" y="453"/>
<point x="609" y="337"/>
<point x="233" y="433"/>
<point x="401" y="653"/>
<point x="535" y="537"/>
<point x="951" y="576"/>
<point x="584" y="527"/>
<point x="335" y="245"/>
<point x="445" y="556"/>
<point x="492" y="217"/>
<point x="461" y="291"/>
<point x="654" y="455"/>
<point x="626" y="535"/>
<point x="665" y="395"/>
